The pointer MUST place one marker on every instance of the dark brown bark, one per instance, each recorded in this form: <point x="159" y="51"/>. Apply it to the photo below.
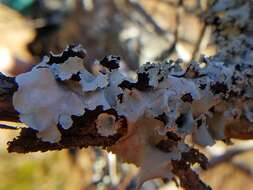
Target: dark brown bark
<point x="190" y="180"/>
<point x="81" y="135"/>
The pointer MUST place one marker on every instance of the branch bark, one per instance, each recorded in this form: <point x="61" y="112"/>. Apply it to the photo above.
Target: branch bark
<point x="145" y="121"/>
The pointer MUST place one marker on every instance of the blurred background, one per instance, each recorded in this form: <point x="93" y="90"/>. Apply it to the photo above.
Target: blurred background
<point x="138" y="31"/>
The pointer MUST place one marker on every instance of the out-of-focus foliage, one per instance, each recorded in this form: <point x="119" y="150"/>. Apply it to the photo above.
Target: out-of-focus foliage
<point x="19" y="5"/>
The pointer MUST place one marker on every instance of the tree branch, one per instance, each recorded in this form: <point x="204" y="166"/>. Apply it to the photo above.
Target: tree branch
<point x="144" y="121"/>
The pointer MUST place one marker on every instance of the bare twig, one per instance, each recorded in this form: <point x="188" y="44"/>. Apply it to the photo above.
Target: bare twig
<point x="8" y="127"/>
<point x="158" y="29"/>
<point x="198" y="45"/>
<point x="167" y="52"/>
<point x="243" y="168"/>
<point x="228" y="156"/>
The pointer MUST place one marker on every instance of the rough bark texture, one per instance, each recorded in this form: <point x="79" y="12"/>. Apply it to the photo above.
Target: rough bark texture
<point x="81" y="135"/>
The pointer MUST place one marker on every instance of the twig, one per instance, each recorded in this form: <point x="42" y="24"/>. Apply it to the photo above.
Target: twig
<point x="199" y="43"/>
<point x="167" y="52"/>
<point x="244" y="169"/>
<point x="229" y="155"/>
<point x="8" y="127"/>
<point x="160" y="31"/>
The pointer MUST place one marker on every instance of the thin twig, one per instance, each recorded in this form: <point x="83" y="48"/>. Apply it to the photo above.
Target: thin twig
<point x="199" y="43"/>
<point x="8" y="127"/>
<point x="160" y="31"/>
<point x="243" y="168"/>
<point x="229" y="155"/>
<point x="170" y="3"/>
<point x="167" y="52"/>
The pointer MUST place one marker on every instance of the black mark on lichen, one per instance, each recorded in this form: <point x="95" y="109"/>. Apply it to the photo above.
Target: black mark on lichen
<point x="67" y="53"/>
<point x="120" y="98"/>
<point x="162" y="117"/>
<point x="180" y="120"/>
<point x="202" y="86"/>
<point x="219" y="87"/>
<point x="110" y="62"/>
<point x="187" y="97"/>
<point x="142" y="83"/>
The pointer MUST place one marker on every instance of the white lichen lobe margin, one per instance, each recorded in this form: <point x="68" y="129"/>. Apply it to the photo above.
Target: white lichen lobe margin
<point x="159" y="101"/>
<point x="106" y="124"/>
<point x="65" y="70"/>
<point x="198" y="102"/>
<point x="41" y="102"/>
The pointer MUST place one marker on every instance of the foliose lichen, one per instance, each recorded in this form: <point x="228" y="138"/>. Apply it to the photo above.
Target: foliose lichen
<point x="165" y="101"/>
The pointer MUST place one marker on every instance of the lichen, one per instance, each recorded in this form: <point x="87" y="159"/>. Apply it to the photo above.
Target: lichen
<point x="165" y="98"/>
<point x="41" y="101"/>
<point x="65" y="70"/>
<point x="106" y="124"/>
<point x="90" y="82"/>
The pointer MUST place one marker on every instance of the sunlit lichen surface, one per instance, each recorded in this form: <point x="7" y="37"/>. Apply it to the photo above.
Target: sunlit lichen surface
<point x="167" y="102"/>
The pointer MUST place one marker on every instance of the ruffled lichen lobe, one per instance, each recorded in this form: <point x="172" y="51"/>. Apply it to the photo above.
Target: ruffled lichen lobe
<point x="160" y="108"/>
<point x="41" y="102"/>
